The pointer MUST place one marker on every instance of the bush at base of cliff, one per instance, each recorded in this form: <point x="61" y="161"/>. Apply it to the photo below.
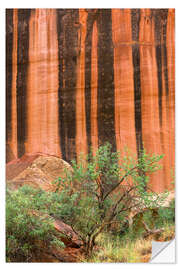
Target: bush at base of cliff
<point x="103" y="189"/>
<point x="26" y="231"/>
<point x="98" y="194"/>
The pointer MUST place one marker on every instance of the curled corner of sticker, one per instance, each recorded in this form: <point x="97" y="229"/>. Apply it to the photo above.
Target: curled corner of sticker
<point x="163" y="252"/>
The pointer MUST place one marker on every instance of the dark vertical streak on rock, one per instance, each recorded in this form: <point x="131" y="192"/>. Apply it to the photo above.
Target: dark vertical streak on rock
<point x="135" y="17"/>
<point x="159" y="74"/>
<point x="135" y="20"/>
<point x="165" y="52"/>
<point x="88" y="50"/>
<point x="61" y="124"/>
<point x="160" y="26"/>
<point x="165" y="69"/>
<point x="106" y="110"/>
<point x="157" y="30"/>
<point x="68" y="25"/>
<point x="137" y="97"/>
<point x="22" y="68"/>
<point x="88" y="47"/>
<point x="9" y="49"/>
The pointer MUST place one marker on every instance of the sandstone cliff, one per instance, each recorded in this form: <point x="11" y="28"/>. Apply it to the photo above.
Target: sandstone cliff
<point x="76" y="78"/>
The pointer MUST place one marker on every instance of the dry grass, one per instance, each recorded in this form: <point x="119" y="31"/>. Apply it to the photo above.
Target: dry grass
<point x="167" y="234"/>
<point x="127" y="250"/>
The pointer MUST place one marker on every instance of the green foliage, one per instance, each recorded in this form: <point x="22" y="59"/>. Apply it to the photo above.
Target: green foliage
<point x="103" y="188"/>
<point x="166" y="214"/>
<point x="28" y="223"/>
<point x="98" y="193"/>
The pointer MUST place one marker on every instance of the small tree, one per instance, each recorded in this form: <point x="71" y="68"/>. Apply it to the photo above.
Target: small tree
<point x="103" y="189"/>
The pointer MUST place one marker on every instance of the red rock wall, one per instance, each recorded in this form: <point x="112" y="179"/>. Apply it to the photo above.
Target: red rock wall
<point x="42" y="84"/>
<point x="77" y="78"/>
<point x="123" y="79"/>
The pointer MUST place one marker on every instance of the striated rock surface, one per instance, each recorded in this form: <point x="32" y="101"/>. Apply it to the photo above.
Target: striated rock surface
<point x="70" y="238"/>
<point x="76" y="78"/>
<point x="37" y="170"/>
<point x="67" y="234"/>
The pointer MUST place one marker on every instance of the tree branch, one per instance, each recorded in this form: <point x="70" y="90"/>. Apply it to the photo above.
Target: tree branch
<point x="153" y="231"/>
<point x="122" y="179"/>
<point x="128" y="208"/>
<point x="122" y="197"/>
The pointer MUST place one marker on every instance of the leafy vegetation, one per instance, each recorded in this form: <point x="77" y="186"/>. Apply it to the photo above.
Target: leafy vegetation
<point x="28" y="223"/>
<point x="130" y="247"/>
<point x="167" y="214"/>
<point x="96" y="199"/>
<point x="103" y="189"/>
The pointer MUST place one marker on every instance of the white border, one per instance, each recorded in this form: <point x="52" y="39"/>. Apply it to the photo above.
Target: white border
<point x="90" y="4"/>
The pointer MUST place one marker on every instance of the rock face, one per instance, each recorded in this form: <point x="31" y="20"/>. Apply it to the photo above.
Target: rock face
<point x="70" y="238"/>
<point x="79" y="77"/>
<point x="36" y="170"/>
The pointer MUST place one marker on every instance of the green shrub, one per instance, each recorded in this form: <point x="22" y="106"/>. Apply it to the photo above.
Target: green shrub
<point x="99" y="193"/>
<point x="28" y="223"/>
<point x="102" y="189"/>
<point x="167" y="214"/>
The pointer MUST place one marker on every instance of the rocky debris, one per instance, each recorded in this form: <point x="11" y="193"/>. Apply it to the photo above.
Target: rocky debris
<point x="66" y="255"/>
<point x="138" y="216"/>
<point x="38" y="170"/>
<point x="69" y="237"/>
<point x="158" y="202"/>
<point x="73" y="245"/>
<point x="47" y="253"/>
<point x="135" y="215"/>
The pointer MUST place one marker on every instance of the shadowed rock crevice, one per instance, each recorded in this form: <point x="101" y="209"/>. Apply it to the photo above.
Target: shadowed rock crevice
<point x="22" y="66"/>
